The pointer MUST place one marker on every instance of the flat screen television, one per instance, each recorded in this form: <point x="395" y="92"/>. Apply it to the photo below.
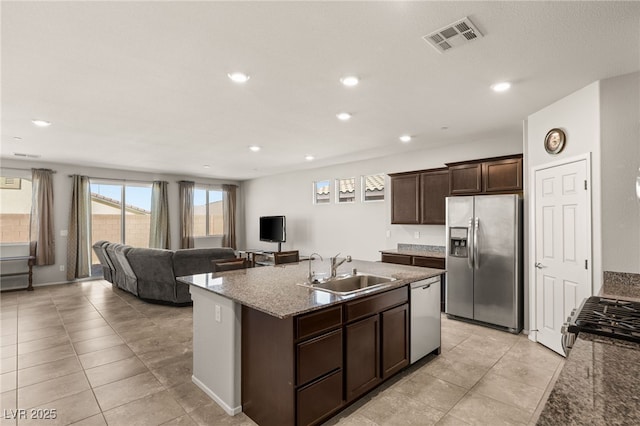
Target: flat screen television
<point x="273" y="229"/>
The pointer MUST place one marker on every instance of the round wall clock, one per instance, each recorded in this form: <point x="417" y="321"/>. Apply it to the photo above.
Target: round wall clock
<point x="554" y="141"/>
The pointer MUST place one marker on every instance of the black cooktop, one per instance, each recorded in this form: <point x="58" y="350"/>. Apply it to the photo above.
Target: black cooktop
<point x="614" y="318"/>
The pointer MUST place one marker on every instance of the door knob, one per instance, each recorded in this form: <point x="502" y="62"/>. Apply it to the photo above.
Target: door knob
<point x="539" y="265"/>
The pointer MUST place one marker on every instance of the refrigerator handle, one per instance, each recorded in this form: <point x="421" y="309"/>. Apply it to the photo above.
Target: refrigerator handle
<point x="476" y="256"/>
<point x="470" y="258"/>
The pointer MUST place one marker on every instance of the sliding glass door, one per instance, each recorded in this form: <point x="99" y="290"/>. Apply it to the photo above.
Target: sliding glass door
<point x="120" y="213"/>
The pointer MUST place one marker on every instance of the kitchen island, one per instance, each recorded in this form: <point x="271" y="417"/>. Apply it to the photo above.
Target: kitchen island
<point x="288" y="354"/>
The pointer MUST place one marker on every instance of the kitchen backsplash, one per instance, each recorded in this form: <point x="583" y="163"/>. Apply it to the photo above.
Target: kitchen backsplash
<point x="420" y="247"/>
<point x="621" y="284"/>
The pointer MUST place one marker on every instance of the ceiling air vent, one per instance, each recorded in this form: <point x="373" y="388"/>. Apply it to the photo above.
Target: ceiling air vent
<point x="453" y="35"/>
<point x="20" y="154"/>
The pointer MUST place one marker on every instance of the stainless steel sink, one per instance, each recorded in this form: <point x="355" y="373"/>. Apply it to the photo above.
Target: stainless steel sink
<point x="348" y="284"/>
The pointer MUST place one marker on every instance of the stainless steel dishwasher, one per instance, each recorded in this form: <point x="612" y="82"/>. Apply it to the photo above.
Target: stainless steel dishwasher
<point x="425" y="317"/>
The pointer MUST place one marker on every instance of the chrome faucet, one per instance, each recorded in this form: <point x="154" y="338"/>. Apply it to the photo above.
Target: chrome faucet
<point x="335" y="264"/>
<point x="310" y="278"/>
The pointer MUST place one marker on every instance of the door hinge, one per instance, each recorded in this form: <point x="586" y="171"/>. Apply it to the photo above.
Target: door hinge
<point x="585" y="184"/>
<point x="586" y="264"/>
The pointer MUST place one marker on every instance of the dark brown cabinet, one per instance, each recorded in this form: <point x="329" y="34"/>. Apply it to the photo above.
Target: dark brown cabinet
<point x="395" y="340"/>
<point x="423" y="261"/>
<point x="500" y="175"/>
<point x="465" y="179"/>
<point x="404" y="199"/>
<point x="302" y="370"/>
<point x="362" y="356"/>
<point x="434" y="189"/>
<point x="377" y="341"/>
<point x="419" y="197"/>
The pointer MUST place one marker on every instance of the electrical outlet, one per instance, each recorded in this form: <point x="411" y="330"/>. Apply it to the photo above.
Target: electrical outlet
<point x="64" y="233"/>
<point x="217" y="313"/>
<point x="388" y="233"/>
<point x="61" y="268"/>
<point x="416" y="235"/>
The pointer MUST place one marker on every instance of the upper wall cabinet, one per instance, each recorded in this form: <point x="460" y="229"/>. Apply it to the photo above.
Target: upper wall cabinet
<point x="405" y="194"/>
<point x="434" y="188"/>
<point x="419" y="197"/>
<point x="499" y="175"/>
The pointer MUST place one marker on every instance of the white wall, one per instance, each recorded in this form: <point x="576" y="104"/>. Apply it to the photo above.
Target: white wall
<point x="357" y="229"/>
<point x="620" y="149"/>
<point x="602" y="119"/>
<point x="579" y="116"/>
<point x="62" y="203"/>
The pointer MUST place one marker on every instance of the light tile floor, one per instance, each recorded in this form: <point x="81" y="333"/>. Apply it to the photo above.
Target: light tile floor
<point x="98" y="355"/>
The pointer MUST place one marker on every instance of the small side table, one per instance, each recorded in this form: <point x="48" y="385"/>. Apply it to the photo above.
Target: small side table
<point x="30" y="262"/>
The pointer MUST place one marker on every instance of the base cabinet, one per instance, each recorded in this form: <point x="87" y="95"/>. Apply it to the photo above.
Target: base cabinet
<point x="363" y="356"/>
<point x="424" y="261"/>
<point x="395" y="340"/>
<point x="319" y="398"/>
<point x="335" y="355"/>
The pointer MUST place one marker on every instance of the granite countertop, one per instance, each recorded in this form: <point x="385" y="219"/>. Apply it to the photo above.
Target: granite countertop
<point x="600" y="381"/>
<point x="598" y="385"/>
<point x="423" y="253"/>
<point x="274" y="290"/>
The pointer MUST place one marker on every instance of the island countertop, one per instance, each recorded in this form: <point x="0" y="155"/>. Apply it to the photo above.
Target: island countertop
<point x="274" y="290"/>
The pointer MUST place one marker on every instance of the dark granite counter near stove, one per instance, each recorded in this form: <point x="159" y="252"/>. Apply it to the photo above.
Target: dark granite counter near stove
<point x="599" y="385"/>
<point x="600" y="381"/>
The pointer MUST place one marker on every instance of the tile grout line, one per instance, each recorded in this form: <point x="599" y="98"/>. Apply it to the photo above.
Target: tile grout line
<point x="468" y="391"/>
<point x="165" y="388"/>
<point x="64" y="325"/>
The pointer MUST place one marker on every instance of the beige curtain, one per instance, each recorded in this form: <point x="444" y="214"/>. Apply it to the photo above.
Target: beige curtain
<point x="229" y="207"/>
<point x="41" y="227"/>
<point x="186" y="213"/>
<point x="159" y="236"/>
<point x="79" y="241"/>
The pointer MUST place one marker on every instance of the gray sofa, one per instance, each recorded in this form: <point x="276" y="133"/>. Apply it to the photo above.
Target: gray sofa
<point x="108" y="270"/>
<point x="151" y="274"/>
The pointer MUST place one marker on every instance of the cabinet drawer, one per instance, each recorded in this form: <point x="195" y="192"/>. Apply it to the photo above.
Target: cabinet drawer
<point x="318" y="322"/>
<point x="374" y="304"/>
<point x="428" y="262"/>
<point x="400" y="259"/>
<point x="319" y="399"/>
<point x="319" y="356"/>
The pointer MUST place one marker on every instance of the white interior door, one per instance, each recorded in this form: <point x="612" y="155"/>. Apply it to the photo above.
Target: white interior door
<point x="562" y="247"/>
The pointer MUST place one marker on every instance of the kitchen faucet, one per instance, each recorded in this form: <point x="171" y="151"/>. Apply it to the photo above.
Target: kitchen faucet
<point x="310" y="277"/>
<point x="335" y="264"/>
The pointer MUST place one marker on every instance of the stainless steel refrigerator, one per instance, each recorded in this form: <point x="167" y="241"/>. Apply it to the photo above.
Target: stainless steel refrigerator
<point x="484" y="259"/>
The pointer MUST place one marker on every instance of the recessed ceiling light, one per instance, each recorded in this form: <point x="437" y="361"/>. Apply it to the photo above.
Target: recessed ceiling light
<point x="501" y="87"/>
<point x="238" y="77"/>
<point x="309" y="157"/>
<point x="206" y="166"/>
<point x="17" y="138"/>
<point x="254" y="148"/>
<point x="41" y="123"/>
<point x="343" y="116"/>
<point x="350" y="80"/>
<point x="405" y="138"/>
<point x="444" y="128"/>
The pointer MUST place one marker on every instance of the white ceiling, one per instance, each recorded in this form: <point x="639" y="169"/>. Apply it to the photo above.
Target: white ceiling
<point x="143" y="85"/>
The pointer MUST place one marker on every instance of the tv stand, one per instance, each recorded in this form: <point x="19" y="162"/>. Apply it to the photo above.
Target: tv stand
<point x="279" y="247"/>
